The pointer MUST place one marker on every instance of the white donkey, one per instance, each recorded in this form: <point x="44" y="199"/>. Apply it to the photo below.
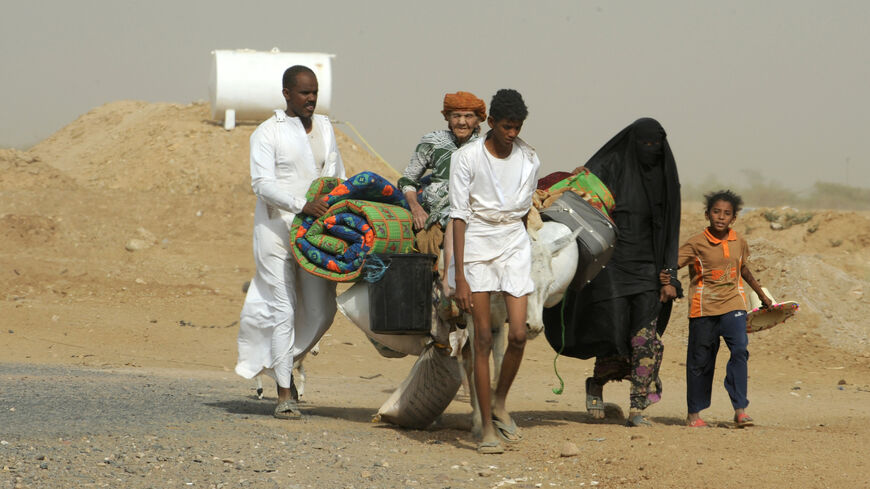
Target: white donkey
<point x="554" y="261"/>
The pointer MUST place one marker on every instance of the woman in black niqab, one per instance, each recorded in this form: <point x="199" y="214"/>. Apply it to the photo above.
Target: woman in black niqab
<point x="620" y="316"/>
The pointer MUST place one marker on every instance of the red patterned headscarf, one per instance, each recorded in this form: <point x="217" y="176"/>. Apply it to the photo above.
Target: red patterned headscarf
<point x="464" y="101"/>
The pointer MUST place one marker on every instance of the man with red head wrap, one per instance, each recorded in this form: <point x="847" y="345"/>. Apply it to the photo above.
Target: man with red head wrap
<point x="463" y="112"/>
<point x="463" y="101"/>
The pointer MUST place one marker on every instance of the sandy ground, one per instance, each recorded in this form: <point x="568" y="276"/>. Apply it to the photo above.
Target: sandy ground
<point x="126" y="241"/>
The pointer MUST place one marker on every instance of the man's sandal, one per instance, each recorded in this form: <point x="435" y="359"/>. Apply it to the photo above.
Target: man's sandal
<point x="507" y="432"/>
<point x="287" y="410"/>
<point x="698" y="423"/>
<point x="490" y="448"/>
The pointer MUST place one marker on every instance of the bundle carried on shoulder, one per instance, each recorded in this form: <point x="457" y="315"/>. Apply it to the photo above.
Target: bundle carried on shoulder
<point x="366" y="215"/>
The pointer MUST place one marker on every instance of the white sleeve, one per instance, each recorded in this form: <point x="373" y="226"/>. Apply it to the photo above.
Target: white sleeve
<point x="334" y="166"/>
<point x="535" y="173"/>
<point x="460" y="183"/>
<point x="263" y="181"/>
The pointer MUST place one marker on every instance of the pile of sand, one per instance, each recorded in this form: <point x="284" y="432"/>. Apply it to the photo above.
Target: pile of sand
<point x="164" y="147"/>
<point x="160" y="179"/>
<point x="25" y="170"/>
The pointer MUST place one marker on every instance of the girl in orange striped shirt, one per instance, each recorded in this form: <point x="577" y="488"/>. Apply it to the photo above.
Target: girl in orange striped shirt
<point x="718" y="259"/>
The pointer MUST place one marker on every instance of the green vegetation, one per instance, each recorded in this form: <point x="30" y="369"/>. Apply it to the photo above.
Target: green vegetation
<point x="794" y="218"/>
<point x="789" y="219"/>
<point x="770" y="215"/>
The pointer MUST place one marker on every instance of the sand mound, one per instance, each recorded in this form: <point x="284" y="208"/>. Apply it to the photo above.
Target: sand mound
<point x="164" y="147"/>
<point x="135" y="198"/>
<point x="19" y="169"/>
<point x="830" y="297"/>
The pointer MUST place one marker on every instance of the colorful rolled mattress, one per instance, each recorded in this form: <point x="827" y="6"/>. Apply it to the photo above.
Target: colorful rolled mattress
<point x="366" y="215"/>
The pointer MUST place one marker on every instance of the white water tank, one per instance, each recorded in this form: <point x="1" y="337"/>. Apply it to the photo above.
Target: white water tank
<point x="245" y="85"/>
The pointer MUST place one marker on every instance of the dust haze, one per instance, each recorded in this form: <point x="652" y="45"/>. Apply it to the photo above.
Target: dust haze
<point x="774" y="89"/>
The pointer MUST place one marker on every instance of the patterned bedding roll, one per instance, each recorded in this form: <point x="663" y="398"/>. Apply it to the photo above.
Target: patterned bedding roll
<point x="366" y="215"/>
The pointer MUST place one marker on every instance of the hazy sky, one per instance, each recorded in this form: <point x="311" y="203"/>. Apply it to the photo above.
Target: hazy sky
<point x="779" y="86"/>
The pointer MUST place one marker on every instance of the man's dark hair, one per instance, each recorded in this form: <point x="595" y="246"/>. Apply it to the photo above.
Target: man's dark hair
<point x="728" y="196"/>
<point x="508" y="104"/>
<point x="289" y="79"/>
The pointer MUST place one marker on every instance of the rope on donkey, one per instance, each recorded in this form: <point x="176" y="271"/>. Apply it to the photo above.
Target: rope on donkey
<point x="375" y="268"/>
<point x="559" y="390"/>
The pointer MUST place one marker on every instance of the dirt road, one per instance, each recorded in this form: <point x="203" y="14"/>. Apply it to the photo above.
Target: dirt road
<point x="72" y="426"/>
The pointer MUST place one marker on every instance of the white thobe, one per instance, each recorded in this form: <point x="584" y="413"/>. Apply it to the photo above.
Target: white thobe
<point x="286" y="310"/>
<point x="498" y="254"/>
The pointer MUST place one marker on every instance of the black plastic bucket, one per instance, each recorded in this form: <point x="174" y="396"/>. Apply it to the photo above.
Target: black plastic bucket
<point x="401" y="301"/>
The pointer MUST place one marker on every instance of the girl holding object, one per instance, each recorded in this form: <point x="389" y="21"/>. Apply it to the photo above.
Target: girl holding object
<point x="718" y="259"/>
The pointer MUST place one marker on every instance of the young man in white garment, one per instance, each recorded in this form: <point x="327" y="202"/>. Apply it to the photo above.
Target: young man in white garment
<point x="286" y="310"/>
<point x="491" y="185"/>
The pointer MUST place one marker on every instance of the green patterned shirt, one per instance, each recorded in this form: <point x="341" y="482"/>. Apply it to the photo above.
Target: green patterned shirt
<point x="433" y="154"/>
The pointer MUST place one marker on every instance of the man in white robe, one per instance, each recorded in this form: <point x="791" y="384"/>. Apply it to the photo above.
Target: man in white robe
<point x="492" y="181"/>
<point x="286" y="310"/>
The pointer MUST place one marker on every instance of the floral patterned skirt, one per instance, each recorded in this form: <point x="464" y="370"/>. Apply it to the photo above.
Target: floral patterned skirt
<point x="641" y="368"/>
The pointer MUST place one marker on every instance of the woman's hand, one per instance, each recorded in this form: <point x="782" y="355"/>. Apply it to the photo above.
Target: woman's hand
<point x="667" y="293"/>
<point x="665" y="277"/>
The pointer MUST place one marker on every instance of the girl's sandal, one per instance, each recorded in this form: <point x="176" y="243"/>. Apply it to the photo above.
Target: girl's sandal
<point x="698" y="423"/>
<point x="743" y="420"/>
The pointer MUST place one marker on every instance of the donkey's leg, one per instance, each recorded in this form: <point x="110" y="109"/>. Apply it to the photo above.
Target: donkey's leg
<point x="498" y="316"/>
<point x="468" y="366"/>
